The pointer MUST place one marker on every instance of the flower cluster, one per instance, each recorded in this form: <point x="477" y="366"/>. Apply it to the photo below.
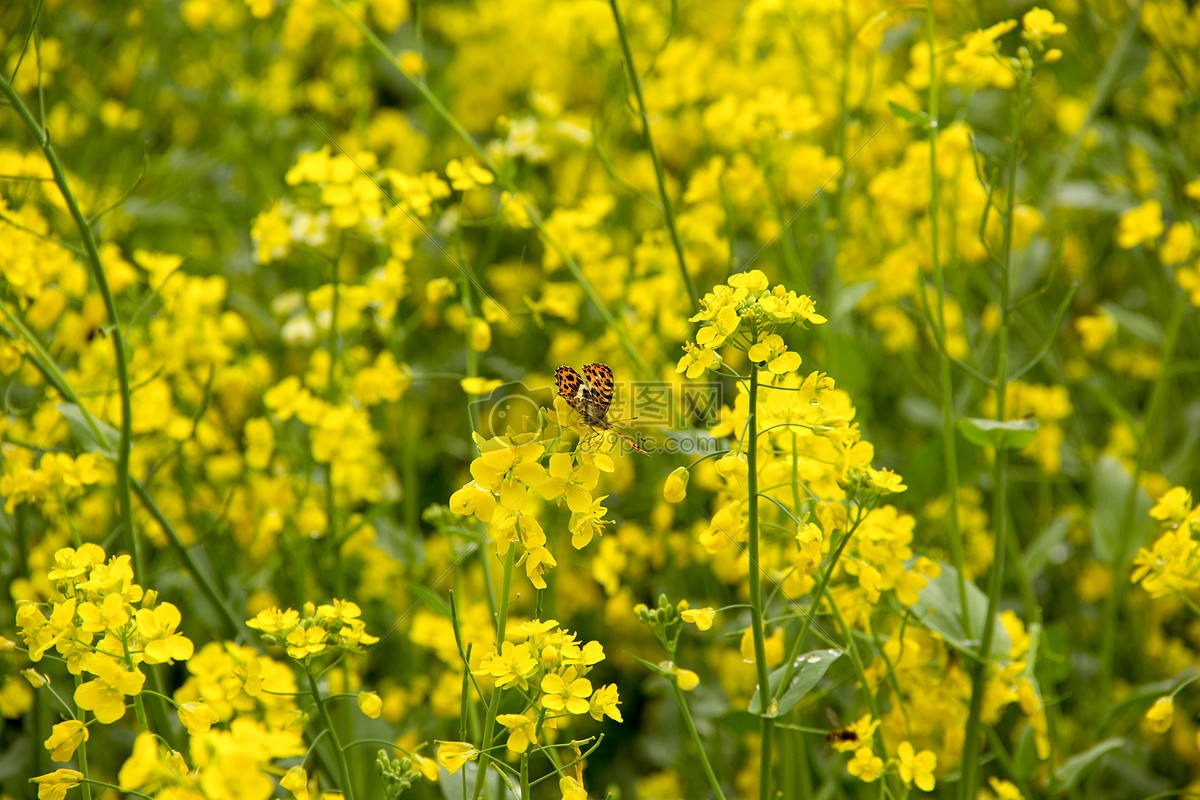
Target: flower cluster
<point x="546" y="667"/>
<point x="1171" y="565"/>
<point x="328" y="628"/>
<point x="102" y="623"/>
<point x="507" y="473"/>
<point x="745" y="314"/>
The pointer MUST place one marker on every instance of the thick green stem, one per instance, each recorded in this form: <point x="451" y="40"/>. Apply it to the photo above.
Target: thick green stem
<point x="124" y="495"/>
<point x="327" y="721"/>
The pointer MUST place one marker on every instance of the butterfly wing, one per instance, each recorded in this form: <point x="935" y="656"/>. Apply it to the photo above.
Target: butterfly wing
<point x="600" y="380"/>
<point x="568" y="382"/>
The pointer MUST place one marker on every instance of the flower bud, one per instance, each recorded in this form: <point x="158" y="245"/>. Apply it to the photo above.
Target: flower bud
<point x="675" y="488"/>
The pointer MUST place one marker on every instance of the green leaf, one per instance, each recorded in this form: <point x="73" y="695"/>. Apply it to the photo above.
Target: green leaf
<point x="809" y="669"/>
<point x="1012" y="435"/>
<point x="1037" y="555"/>
<point x="739" y="722"/>
<point x="938" y="609"/>
<point x="655" y="668"/>
<point x="1025" y="758"/>
<point x="77" y="419"/>
<point x="1111" y="485"/>
<point x="919" y="119"/>
<point x="1076" y="768"/>
<point x="1140" y="698"/>
<point x="1138" y="325"/>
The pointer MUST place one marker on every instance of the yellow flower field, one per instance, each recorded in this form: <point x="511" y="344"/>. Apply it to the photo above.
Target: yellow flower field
<point x="579" y="399"/>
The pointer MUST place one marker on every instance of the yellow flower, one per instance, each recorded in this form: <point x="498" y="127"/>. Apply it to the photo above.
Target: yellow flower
<point x="511" y="666"/>
<point x="1173" y="507"/>
<point x="260" y="442"/>
<point x="411" y="63"/>
<point x="885" y="480"/>
<point x="105" y="695"/>
<point x="538" y="561"/>
<point x="771" y="351"/>
<point x="702" y="618"/>
<point x="158" y="265"/>
<point x="1095" y="331"/>
<point x="1188" y="279"/>
<point x="474" y="499"/>
<point x="197" y="717"/>
<point x="510" y="470"/>
<point x="296" y="782"/>
<point x="675" y="487"/>
<point x="65" y="737"/>
<point x="522" y="731"/>
<point x="917" y="767"/>
<point x="697" y="360"/>
<point x="1139" y="225"/>
<point x="452" y="755"/>
<point x="1005" y="790"/>
<point x="54" y="785"/>
<point x="479" y="386"/>
<point x="754" y="280"/>
<point x="466" y="174"/>
<point x="157" y="628"/>
<point x="862" y="729"/>
<point x="604" y="702"/>
<point x="1158" y="718"/>
<point x="370" y="704"/>
<point x="275" y="621"/>
<point x="585" y="524"/>
<point x="306" y="642"/>
<point x="571" y="789"/>
<point x="685" y="679"/>
<point x="865" y="765"/>
<point x="571" y="481"/>
<point x="1039" y="24"/>
<point x="566" y="692"/>
<point x="1179" y="244"/>
<point x="733" y="467"/>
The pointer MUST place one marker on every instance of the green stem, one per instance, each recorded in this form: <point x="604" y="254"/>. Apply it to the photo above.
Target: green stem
<point x="1101" y="93"/>
<point x="949" y="437"/>
<point x="820" y="590"/>
<point x="981" y="669"/>
<point x="1121" y="558"/>
<point x="694" y="735"/>
<point x="756" y="601"/>
<point x="54" y="376"/>
<point x="81" y="753"/>
<point x="489" y="724"/>
<point x="338" y="752"/>
<point x="124" y="494"/>
<point x="506" y="183"/>
<point x="668" y="211"/>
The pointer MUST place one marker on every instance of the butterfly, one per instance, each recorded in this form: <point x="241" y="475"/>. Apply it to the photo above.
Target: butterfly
<point x="591" y="398"/>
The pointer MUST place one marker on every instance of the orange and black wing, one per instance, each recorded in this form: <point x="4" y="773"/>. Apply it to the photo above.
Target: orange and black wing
<point x="600" y="380"/>
<point x="569" y="385"/>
